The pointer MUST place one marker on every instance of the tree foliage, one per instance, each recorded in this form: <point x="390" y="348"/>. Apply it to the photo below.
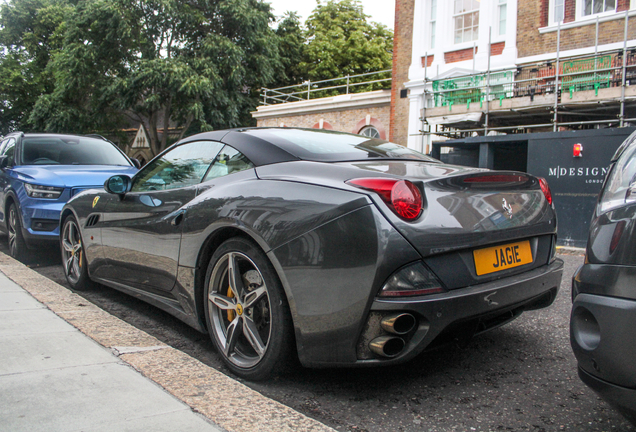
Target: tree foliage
<point x="30" y="32"/>
<point x="102" y="65"/>
<point x="341" y="41"/>
<point x="292" y="43"/>
<point x="160" y="62"/>
<point x="164" y="63"/>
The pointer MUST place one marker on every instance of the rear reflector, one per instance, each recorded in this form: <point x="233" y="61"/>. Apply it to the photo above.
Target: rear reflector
<point x="402" y="196"/>
<point x="412" y="280"/>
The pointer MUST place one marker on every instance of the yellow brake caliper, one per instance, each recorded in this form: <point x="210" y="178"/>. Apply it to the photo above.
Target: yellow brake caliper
<point x="230" y="313"/>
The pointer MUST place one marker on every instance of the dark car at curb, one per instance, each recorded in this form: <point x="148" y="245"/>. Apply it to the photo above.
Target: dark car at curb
<point x="40" y="172"/>
<point x="603" y="318"/>
<point x="336" y="248"/>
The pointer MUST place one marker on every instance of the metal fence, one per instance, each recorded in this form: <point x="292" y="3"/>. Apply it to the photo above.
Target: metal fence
<point x="324" y="88"/>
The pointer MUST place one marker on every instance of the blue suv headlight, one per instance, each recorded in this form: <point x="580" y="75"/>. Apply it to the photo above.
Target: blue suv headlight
<point x="37" y="191"/>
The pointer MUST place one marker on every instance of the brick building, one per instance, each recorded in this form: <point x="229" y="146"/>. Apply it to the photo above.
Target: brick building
<point x="506" y="66"/>
<point x="361" y="113"/>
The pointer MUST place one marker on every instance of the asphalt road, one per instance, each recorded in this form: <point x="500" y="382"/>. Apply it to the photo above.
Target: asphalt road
<point x="520" y="377"/>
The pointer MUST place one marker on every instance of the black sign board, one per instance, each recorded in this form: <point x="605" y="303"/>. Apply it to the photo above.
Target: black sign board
<point x="575" y="181"/>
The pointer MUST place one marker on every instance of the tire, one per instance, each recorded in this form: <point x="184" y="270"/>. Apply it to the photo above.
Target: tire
<point x="248" y="317"/>
<point x="73" y="256"/>
<point x="17" y="245"/>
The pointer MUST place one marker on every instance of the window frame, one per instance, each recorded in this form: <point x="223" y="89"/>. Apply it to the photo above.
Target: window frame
<point x="502" y="5"/>
<point x="432" y="23"/>
<point x="150" y="166"/>
<point x="370" y="128"/>
<point x="474" y="12"/>
<point x="206" y="176"/>
<point x="552" y="9"/>
<point x="11" y="144"/>
<point x="580" y="9"/>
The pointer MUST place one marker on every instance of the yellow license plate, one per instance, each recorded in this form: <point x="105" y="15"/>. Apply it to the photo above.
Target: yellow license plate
<point x="502" y="257"/>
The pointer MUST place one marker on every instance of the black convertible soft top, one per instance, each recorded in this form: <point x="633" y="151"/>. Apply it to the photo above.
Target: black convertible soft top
<point x="264" y="146"/>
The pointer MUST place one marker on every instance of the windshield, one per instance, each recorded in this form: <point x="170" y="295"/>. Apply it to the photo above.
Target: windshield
<point x="68" y="150"/>
<point x="329" y="146"/>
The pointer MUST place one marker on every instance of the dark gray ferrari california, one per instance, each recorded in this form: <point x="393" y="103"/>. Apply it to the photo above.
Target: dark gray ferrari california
<point x="343" y="249"/>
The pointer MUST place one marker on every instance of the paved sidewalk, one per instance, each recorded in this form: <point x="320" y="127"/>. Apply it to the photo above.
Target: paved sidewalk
<point x="67" y="365"/>
<point x="54" y="378"/>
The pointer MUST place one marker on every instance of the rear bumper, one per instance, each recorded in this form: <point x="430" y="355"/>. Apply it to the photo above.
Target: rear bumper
<point x="622" y="399"/>
<point x="602" y="333"/>
<point x="465" y="311"/>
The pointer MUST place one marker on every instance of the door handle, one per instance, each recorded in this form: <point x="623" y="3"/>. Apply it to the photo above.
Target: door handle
<point x="178" y="218"/>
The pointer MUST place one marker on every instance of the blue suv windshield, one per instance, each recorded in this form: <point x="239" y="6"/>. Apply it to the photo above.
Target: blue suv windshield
<point x="69" y="150"/>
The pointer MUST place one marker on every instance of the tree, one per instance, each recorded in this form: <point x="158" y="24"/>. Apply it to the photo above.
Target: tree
<point x="340" y="41"/>
<point x="291" y="43"/>
<point x="30" y="31"/>
<point x="164" y="63"/>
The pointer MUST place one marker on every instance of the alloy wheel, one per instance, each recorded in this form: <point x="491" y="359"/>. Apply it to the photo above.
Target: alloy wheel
<point x="239" y="309"/>
<point x="72" y="252"/>
<point x="13" y="220"/>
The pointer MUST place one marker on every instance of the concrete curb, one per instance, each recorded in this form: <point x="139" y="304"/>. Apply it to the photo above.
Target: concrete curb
<point x="226" y="402"/>
<point x="570" y="250"/>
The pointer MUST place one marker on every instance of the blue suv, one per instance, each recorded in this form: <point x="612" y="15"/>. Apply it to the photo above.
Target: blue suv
<point x="39" y="173"/>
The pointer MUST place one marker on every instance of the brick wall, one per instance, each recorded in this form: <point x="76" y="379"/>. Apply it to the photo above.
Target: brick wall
<point x="351" y="120"/>
<point x="530" y="42"/>
<point x="622" y="5"/>
<point x="428" y="59"/>
<point x="497" y="48"/>
<point x="569" y="12"/>
<point x="457" y="56"/>
<point x="544" y="11"/>
<point x="402" y="47"/>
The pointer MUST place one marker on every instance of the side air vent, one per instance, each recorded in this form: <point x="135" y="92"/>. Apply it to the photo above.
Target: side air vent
<point x="92" y="220"/>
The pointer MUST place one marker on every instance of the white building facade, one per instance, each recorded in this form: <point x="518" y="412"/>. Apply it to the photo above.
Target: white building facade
<point x="452" y="38"/>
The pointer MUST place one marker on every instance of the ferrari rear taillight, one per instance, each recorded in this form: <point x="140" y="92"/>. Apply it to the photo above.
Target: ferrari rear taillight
<point x="402" y="196"/>
<point x="545" y="189"/>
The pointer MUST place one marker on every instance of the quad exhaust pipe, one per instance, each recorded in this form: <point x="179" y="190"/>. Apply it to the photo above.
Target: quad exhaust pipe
<point x="392" y="345"/>
<point x="387" y="346"/>
<point x="399" y="324"/>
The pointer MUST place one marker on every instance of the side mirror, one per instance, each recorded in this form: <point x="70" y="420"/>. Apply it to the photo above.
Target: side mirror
<point x="4" y="161"/>
<point x="136" y="163"/>
<point x="118" y="184"/>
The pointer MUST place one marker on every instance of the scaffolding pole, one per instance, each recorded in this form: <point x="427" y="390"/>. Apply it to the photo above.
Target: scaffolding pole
<point x="556" y="80"/>
<point x="488" y="83"/>
<point x="622" y="115"/>
<point x="424" y="135"/>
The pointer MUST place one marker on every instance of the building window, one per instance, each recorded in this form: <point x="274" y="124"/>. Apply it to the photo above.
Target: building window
<point x="466" y="18"/>
<point x="503" y="12"/>
<point x="559" y="11"/>
<point x="591" y="7"/>
<point x="370" y="132"/>
<point x="433" y="21"/>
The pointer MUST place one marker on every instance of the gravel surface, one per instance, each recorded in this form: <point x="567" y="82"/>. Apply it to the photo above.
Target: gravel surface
<point x="520" y="377"/>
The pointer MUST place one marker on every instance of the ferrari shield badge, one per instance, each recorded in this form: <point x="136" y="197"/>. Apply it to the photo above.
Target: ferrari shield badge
<point x="95" y="201"/>
<point x="507" y="208"/>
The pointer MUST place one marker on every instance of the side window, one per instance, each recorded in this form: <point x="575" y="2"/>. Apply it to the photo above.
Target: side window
<point x="182" y="166"/>
<point x="3" y="144"/>
<point x="9" y="151"/>
<point x="228" y="161"/>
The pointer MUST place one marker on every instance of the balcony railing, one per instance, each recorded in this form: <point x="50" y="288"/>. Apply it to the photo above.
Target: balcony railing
<point x="575" y="74"/>
<point x="325" y="88"/>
